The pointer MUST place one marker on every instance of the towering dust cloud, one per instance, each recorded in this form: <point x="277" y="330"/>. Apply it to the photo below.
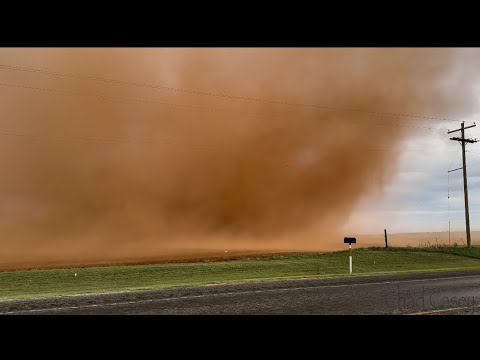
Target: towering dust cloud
<point x="108" y="170"/>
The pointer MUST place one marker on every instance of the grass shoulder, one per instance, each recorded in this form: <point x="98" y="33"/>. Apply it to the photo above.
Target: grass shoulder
<point x="54" y="282"/>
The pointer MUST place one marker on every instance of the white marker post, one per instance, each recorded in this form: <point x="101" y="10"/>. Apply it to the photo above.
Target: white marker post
<point x="349" y="241"/>
<point x="350" y="259"/>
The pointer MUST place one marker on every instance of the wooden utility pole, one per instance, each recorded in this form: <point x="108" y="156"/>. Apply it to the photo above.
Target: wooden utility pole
<point x="386" y="240"/>
<point x="462" y="140"/>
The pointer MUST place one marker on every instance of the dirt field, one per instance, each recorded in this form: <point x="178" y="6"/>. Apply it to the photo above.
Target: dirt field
<point x="196" y="255"/>
<point x="423" y="239"/>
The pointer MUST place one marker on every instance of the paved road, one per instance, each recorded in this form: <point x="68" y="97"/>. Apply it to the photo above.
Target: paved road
<point x="427" y="293"/>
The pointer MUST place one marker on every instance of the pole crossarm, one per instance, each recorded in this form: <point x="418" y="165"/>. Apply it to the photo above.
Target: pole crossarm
<point x="455" y="169"/>
<point x="471" y="141"/>
<point x="468" y="127"/>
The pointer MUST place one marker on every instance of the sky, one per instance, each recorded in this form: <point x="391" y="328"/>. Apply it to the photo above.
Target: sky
<point x="416" y="199"/>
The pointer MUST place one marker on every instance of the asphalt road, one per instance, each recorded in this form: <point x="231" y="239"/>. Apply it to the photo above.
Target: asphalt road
<point x="422" y="293"/>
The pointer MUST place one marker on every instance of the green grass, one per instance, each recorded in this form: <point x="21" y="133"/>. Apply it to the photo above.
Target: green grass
<point x="461" y="251"/>
<point x="40" y="283"/>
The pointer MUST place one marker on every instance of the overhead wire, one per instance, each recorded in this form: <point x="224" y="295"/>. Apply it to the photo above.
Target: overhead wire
<point x="207" y="93"/>
<point x="197" y="107"/>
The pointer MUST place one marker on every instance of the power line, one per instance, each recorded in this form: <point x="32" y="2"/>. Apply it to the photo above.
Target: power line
<point x="399" y="125"/>
<point x="118" y="98"/>
<point x="78" y="138"/>
<point x="205" y="93"/>
<point x="162" y="142"/>
<point x="94" y="139"/>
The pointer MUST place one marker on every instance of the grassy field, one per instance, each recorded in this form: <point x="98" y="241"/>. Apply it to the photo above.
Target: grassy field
<point x="39" y="283"/>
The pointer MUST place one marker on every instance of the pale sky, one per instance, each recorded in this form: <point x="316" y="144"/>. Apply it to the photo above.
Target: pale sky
<point x="416" y="199"/>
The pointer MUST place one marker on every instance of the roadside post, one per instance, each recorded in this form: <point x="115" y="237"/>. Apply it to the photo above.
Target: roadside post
<point x="349" y="241"/>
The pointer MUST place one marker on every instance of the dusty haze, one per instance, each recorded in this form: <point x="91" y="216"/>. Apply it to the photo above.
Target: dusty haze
<point x="123" y="175"/>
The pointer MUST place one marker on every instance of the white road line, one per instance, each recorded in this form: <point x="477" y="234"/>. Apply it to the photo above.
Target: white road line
<point x="228" y="294"/>
<point x="442" y="310"/>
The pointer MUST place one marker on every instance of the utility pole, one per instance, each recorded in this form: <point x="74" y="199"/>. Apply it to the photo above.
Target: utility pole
<point x="462" y="140"/>
<point x="386" y="240"/>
